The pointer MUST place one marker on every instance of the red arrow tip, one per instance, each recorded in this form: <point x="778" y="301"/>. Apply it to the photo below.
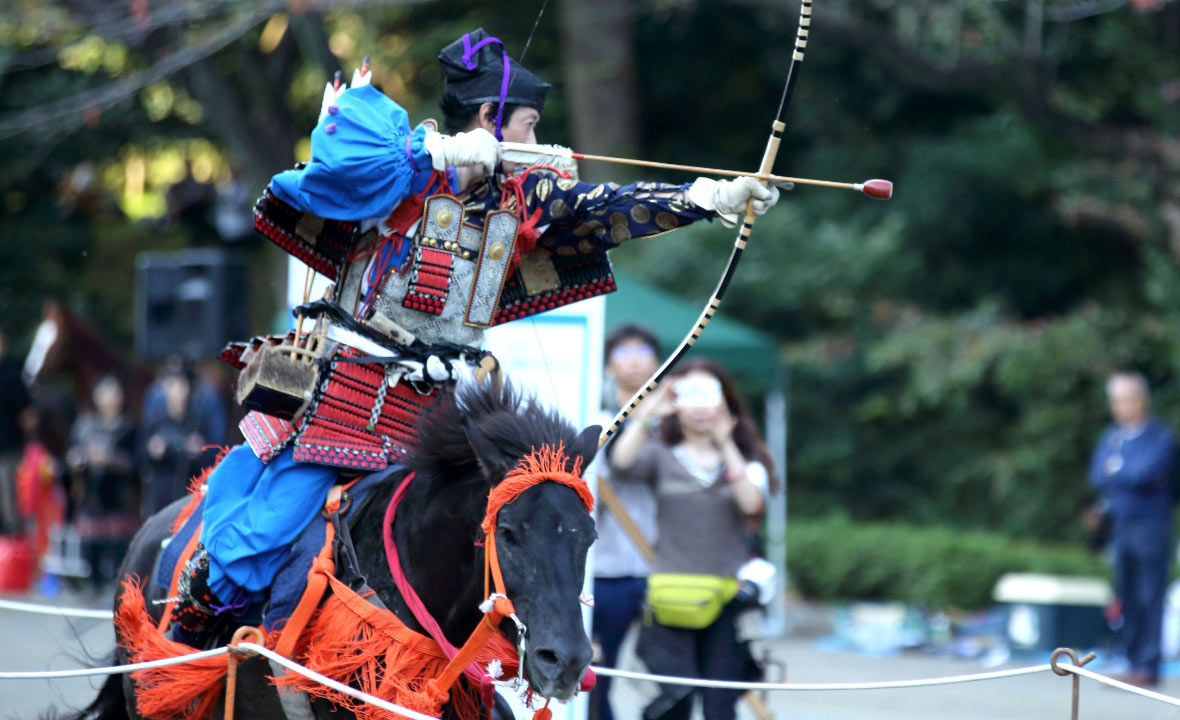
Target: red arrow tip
<point x="880" y="189"/>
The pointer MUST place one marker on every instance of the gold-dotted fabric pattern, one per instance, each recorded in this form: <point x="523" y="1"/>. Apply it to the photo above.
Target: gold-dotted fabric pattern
<point x="585" y="218"/>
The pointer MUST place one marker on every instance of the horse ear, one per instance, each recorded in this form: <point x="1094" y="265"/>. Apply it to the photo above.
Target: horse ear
<point x="585" y="445"/>
<point x="491" y="460"/>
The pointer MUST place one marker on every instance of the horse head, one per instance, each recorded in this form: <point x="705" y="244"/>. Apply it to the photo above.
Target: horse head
<point x="542" y="536"/>
<point x="68" y="346"/>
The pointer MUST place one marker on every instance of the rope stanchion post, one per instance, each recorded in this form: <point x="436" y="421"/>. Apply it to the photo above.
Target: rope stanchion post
<point x="1077" y="680"/>
<point x="236" y="655"/>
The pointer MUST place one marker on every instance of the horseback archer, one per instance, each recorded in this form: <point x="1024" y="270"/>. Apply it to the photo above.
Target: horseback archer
<point x="429" y="239"/>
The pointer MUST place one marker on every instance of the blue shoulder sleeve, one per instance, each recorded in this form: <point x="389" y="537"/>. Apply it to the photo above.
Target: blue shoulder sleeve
<point x="364" y="160"/>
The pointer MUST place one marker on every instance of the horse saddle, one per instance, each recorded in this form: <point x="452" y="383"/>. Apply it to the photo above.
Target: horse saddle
<point x="291" y="580"/>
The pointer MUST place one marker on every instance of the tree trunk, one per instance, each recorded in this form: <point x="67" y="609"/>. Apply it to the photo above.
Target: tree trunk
<point x="598" y="52"/>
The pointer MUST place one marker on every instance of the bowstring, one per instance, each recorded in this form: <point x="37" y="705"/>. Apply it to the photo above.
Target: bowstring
<point x="533" y="320"/>
<point x="532" y="32"/>
<point x="545" y="361"/>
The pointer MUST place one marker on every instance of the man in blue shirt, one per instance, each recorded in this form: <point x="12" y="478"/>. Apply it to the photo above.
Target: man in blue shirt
<point x="1130" y="468"/>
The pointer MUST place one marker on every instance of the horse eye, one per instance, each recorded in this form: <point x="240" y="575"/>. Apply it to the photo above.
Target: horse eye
<point x="508" y="536"/>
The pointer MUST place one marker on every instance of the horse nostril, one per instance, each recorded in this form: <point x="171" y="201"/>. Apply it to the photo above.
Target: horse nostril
<point x="560" y="663"/>
<point x="548" y="660"/>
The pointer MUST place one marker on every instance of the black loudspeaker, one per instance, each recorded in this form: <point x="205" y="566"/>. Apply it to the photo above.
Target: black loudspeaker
<point x="189" y="303"/>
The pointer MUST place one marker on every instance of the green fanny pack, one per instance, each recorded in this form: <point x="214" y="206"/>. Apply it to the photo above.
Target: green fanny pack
<point x="682" y="600"/>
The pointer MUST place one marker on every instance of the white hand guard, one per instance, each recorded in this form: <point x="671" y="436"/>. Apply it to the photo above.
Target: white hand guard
<point x="476" y="147"/>
<point x="728" y="198"/>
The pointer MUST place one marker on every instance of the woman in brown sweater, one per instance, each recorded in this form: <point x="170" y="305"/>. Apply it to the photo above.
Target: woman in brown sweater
<point x="710" y="472"/>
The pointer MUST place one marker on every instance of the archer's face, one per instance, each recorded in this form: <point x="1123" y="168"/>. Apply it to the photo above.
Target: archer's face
<point x="522" y="128"/>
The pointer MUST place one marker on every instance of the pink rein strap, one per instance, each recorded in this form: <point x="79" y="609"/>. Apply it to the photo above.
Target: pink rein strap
<point x="421" y="614"/>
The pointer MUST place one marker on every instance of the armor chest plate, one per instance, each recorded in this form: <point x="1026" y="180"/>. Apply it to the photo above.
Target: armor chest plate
<point x="448" y="287"/>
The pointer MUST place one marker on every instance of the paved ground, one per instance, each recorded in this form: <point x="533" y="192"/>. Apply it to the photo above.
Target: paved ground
<point x="43" y="642"/>
<point x="31" y="642"/>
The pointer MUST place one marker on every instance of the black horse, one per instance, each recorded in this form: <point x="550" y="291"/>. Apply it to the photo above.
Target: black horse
<point x="465" y="446"/>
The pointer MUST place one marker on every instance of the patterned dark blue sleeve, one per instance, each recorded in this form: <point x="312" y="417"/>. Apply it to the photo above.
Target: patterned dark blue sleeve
<point x="585" y="218"/>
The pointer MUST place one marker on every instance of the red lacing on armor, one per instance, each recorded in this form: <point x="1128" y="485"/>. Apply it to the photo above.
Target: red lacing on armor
<point x="399" y="220"/>
<point x="526" y="232"/>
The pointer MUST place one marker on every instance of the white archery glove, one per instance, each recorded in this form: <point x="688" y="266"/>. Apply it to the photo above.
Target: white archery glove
<point x="728" y="198"/>
<point x="476" y="147"/>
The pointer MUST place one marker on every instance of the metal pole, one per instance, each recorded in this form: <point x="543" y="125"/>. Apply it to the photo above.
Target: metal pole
<point x="776" y="516"/>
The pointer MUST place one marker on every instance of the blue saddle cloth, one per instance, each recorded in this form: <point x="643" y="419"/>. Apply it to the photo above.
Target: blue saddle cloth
<point x="166" y="567"/>
<point x="291" y="579"/>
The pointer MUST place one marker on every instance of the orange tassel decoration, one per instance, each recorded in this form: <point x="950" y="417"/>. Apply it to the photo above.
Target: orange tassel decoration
<point x="547" y="463"/>
<point x="189" y="691"/>
<point x="355" y="643"/>
<point x="348" y="639"/>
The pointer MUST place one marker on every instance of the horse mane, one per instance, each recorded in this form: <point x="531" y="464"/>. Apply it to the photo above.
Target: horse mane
<point x="507" y="417"/>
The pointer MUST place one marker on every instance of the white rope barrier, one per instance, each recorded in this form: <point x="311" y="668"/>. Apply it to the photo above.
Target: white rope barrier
<point x="606" y="672"/>
<point x="191" y="657"/>
<point x="325" y="680"/>
<point x="1160" y="697"/>
<point x="115" y="669"/>
<point x="813" y="687"/>
<point x="55" y="610"/>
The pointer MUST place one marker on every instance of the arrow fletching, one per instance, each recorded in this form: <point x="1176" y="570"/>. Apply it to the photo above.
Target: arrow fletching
<point x="331" y="91"/>
<point x="362" y="76"/>
<point x="529" y="154"/>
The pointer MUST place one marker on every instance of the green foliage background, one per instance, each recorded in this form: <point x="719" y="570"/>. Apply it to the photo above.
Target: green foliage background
<point x="947" y="348"/>
<point x="835" y="559"/>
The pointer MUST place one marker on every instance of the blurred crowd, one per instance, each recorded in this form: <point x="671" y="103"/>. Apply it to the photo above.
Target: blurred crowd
<point x="82" y="467"/>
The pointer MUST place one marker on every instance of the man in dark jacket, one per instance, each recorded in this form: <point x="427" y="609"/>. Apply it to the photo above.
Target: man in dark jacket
<point x="1130" y="468"/>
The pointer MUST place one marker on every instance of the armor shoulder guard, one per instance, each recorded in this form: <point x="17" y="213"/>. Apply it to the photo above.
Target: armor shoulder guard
<point x="544" y="282"/>
<point x="322" y="244"/>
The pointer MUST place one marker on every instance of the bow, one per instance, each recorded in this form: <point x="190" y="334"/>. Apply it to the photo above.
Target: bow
<point x="739" y="244"/>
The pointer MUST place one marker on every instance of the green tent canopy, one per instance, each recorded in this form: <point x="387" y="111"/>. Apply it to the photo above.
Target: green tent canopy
<point x="751" y="355"/>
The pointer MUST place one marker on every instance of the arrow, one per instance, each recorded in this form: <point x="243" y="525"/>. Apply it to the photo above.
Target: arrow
<point x="530" y="154"/>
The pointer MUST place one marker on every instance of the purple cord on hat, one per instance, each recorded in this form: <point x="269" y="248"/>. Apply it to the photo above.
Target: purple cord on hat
<point x="469" y="52"/>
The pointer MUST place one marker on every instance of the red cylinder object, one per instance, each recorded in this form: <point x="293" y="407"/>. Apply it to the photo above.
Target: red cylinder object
<point x="880" y="189"/>
<point x="589" y="680"/>
<point x="16" y="564"/>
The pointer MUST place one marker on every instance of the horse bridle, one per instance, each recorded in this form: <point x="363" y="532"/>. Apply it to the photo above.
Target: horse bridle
<point x="545" y="464"/>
